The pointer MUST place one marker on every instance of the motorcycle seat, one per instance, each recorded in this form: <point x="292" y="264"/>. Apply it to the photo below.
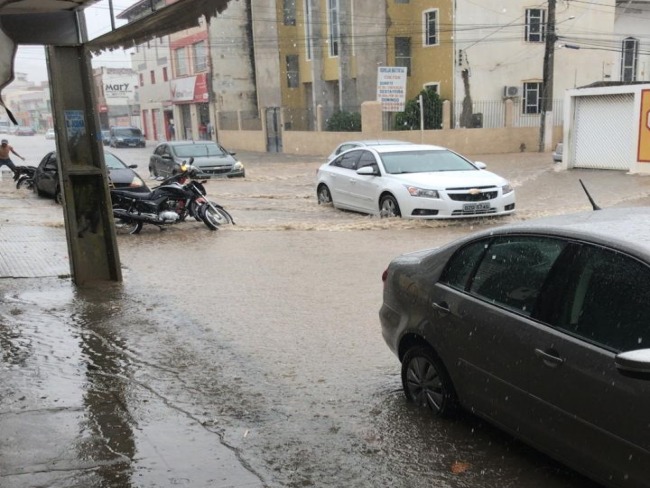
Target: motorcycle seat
<point x="136" y="195"/>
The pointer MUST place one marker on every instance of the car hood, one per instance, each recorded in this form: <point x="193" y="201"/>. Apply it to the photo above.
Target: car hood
<point x="440" y="180"/>
<point x="123" y="177"/>
<point x="201" y="161"/>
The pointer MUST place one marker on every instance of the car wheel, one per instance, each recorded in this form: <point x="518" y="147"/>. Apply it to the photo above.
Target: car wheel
<point x="426" y="381"/>
<point x="58" y="196"/>
<point x="153" y="172"/>
<point x="388" y="207"/>
<point x="324" y="195"/>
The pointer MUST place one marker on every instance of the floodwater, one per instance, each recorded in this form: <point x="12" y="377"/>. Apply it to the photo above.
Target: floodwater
<point x="252" y="356"/>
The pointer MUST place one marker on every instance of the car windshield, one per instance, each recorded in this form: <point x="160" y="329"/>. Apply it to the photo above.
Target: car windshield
<point x="112" y="162"/>
<point x="198" y="150"/>
<point x="127" y="132"/>
<point x="424" y="162"/>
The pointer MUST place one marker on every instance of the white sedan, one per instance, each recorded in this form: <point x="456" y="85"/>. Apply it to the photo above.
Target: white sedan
<point x="414" y="181"/>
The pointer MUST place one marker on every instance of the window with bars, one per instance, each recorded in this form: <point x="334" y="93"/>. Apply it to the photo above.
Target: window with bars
<point x="403" y="53"/>
<point x="535" y="30"/>
<point x="199" y="54"/>
<point x="289" y="12"/>
<point x="430" y="18"/>
<point x="333" y="26"/>
<point x="532" y="100"/>
<point x="180" y="61"/>
<point x="293" y="71"/>
<point x="629" y="57"/>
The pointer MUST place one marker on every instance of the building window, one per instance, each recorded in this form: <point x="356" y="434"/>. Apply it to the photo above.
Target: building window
<point x="180" y="59"/>
<point x="430" y="28"/>
<point x="401" y="1"/>
<point x="403" y="53"/>
<point x="532" y="98"/>
<point x="433" y="86"/>
<point x="629" y="57"/>
<point x="333" y="26"/>
<point x="164" y="73"/>
<point x="308" y="29"/>
<point x="200" y="57"/>
<point x="141" y="76"/>
<point x="293" y="71"/>
<point x="289" y="12"/>
<point x="152" y="74"/>
<point x="535" y="25"/>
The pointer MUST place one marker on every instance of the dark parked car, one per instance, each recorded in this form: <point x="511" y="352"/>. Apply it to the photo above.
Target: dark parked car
<point x="106" y="137"/>
<point x="126" y="137"/>
<point x="542" y="328"/>
<point x="46" y="177"/>
<point x="210" y="159"/>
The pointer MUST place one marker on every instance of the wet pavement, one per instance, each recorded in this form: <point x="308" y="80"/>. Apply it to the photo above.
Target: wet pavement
<point x="250" y="356"/>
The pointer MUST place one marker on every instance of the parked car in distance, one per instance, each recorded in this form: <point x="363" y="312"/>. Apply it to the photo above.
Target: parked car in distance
<point x="126" y="137"/>
<point x="413" y="181"/>
<point x="557" y="153"/>
<point x="542" y="328"/>
<point x="50" y="134"/>
<point x="121" y="175"/>
<point x="106" y="137"/>
<point x="23" y="130"/>
<point x="364" y="143"/>
<point x="210" y="159"/>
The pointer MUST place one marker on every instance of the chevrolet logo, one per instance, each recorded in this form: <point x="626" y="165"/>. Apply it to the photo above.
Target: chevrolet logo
<point x="474" y="191"/>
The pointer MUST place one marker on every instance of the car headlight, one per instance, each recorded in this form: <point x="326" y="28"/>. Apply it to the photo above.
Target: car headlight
<point x="421" y="192"/>
<point x="507" y="188"/>
<point x="120" y="139"/>
<point x="136" y="183"/>
<point x="238" y="166"/>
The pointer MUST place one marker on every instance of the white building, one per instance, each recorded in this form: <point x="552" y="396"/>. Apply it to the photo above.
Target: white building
<point x="632" y="45"/>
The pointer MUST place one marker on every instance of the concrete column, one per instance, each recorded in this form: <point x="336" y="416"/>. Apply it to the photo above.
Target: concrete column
<point x="92" y="246"/>
<point x="446" y="114"/>
<point x="319" y="118"/>
<point x="509" y="115"/>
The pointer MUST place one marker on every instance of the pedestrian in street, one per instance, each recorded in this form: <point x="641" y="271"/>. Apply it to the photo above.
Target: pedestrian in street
<point x="5" y="155"/>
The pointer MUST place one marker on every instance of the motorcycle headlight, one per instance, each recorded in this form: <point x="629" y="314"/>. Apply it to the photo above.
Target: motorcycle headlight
<point x="238" y="166"/>
<point x="414" y="191"/>
<point x="507" y="188"/>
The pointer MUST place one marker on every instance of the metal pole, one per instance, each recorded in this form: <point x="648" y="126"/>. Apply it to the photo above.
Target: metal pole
<point x="546" y="116"/>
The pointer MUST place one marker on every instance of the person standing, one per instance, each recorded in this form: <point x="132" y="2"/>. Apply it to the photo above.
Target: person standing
<point x="5" y="155"/>
<point x="172" y="130"/>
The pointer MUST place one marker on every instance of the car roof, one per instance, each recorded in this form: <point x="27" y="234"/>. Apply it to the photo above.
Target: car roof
<point x="189" y="141"/>
<point x="411" y="147"/>
<point x="375" y="142"/>
<point x="623" y="228"/>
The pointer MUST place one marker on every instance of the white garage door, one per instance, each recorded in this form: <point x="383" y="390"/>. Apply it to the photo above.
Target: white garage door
<point x="604" y="130"/>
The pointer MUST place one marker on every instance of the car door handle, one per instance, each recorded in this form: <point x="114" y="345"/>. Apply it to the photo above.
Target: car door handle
<point x="550" y="357"/>
<point x="441" y="307"/>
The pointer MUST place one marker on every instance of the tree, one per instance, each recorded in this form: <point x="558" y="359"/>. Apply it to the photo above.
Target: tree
<point x="344" y="122"/>
<point x="410" y="118"/>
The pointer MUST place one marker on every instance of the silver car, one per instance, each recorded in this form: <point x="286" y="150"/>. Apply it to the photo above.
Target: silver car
<point x="344" y="146"/>
<point x="542" y="328"/>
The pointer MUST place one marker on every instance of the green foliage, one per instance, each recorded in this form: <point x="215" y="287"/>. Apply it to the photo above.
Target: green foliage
<point x="410" y="118"/>
<point x="344" y="122"/>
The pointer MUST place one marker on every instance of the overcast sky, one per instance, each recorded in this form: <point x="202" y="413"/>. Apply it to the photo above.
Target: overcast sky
<point x="31" y="59"/>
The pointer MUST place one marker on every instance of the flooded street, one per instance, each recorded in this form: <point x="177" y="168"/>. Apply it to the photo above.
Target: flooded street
<point x="253" y="356"/>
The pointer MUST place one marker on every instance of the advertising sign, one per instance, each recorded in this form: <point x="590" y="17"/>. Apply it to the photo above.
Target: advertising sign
<point x="118" y="86"/>
<point x="644" y="128"/>
<point x="391" y="88"/>
<point x="190" y="89"/>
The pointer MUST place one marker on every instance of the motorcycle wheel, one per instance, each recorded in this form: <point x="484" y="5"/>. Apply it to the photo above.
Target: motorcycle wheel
<point x="214" y="217"/>
<point x="25" y="182"/>
<point x="123" y="226"/>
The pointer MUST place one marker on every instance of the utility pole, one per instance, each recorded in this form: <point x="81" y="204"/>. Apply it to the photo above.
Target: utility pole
<point x="546" y="116"/>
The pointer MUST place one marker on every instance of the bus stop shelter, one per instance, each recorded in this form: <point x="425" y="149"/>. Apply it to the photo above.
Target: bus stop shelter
<point x="59" y="25"/>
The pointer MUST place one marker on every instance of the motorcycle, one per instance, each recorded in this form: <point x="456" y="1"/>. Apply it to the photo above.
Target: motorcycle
<point x="176" y="198"/>
<point x="24" y="177"/>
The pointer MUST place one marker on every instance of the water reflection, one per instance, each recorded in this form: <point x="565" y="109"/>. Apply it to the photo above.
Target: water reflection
<point x="108" y="420"/>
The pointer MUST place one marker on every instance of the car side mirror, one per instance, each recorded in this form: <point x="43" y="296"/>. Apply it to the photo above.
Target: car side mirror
<point x="232" y="153"/>
<point x="480" y="165"/>
<point x="368" y="171"/>
<point x="133" y="166"/>
<point x="635" y="364"/>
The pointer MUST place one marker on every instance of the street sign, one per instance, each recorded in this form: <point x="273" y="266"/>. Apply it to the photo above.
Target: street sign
<point x="391" y="88"/>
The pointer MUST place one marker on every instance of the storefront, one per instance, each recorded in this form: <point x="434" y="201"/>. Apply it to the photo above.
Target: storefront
<point x="191" y="107"/>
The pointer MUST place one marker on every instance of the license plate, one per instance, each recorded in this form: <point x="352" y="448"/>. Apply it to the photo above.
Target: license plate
<point x="132" y="144"/>
<point x="475" y="207"/>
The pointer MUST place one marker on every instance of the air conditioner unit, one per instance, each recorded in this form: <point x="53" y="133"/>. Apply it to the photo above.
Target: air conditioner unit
<point x="511" y="91"/>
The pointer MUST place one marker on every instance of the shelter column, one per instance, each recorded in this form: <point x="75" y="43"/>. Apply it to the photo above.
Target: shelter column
<point x="92" y="245"/>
